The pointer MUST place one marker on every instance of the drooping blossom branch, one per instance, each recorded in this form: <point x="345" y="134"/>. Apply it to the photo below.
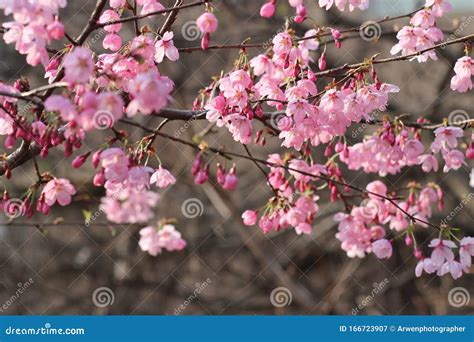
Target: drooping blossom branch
<point x="273" y="95"/>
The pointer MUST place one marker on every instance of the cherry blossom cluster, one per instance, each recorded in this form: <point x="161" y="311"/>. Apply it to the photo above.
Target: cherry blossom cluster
<point x="464" y="69"/>
<point x="361" y="231"/>
<point x="295" y="204"/>
<point x="268" y="9"/>
<point x="442" y="259"/>
<point x="35" y="25"/>
<point x="394" y="148"/>
<point x="165" y="236"/>
<point x="422" y="33"/>
<point x="271" y="95"/>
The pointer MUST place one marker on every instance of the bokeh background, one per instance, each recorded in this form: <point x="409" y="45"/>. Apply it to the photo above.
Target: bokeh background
<point x="228" y="268"/>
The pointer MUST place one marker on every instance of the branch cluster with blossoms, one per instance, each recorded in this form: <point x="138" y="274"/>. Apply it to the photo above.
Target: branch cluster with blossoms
<point x="286" y="93"/>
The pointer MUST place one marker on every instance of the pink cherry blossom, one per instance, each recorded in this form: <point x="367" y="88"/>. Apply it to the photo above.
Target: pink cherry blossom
<point x="58" y="190"/>
<point x="382" y="249"/>
<point x="78" y="65"/>
<point x="165" y="46"/>
<point x="207" y="22"/>
<point x="162" y="178"/>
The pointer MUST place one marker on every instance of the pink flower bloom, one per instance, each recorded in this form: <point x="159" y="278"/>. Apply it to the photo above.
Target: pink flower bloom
<point x="425" y="265"/>
<point x="446" y="137"/>
<point x="61" y="104"/>
<point x="151" y="6"/>
<point x="153" y="240"/>
<point x="240" y="127"/>
<point x="454" y="159"/>
<point x="58" y="190"/>
<point x="149" y="241"/>
<point x="117" y="3"/>
<point x="78" y="65"/>
<point x="382" y="248"/>
<point x="56" y="30"/>
<point x="115" y="164"/>
<point x="423" y="18"/>
<point x="150" y="92"/>
<point x="162" y="178"/>
<point x="439" y="7"/>
<point x="453" y="267"/>
<point x="112" y="42"/>
<point x="107" y="16"/>
<point x="171" y="239"/>
<point x="461" y="84"/>
<point x="165" y="46"/>
<point x="377" y="187"/>
<point x="442" y="251"/>
<point x="466" y="251"/>
<point x="207" y="22"/>
<point x="249" y="217"/>
<point x="428" y="163"/>
<point x="464" y="67"/>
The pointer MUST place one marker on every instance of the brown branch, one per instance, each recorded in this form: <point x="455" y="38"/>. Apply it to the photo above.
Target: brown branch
<point x="21" y="155"/>
<point x="142" y="16"/>
<point x="171" y="18"/>
<point x="92" y="23"/>
<point x="397" y="58"/>
<point x="267" y="163"/>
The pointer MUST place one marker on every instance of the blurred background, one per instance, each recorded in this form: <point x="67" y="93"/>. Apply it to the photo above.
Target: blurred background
<point x="228" y="268"/>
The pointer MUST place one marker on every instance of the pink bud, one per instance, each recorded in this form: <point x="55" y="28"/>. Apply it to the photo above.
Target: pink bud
<point x="249" y="217"/>
<point x="418" y="254"/>
<point x="80" y="160"/>
<point x="99" y="178"/>
<point x="196" y="165"/>
<point x="336" y="34"/>
<point x="201" y="176"/>
<point x="322" y="61"/>
<point x="470" y="152"/>
<point x="408" y="240"/>
<point x="10" y="141"/>
<point x="56" y="30"/>
<point x="96" y="158"/>
<point x="205" y="41"/>
<point x="220" y="174"/>
<point x="230" y="182"/>
<point x="267" y="10"/>
<point x="53" y="64"/>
